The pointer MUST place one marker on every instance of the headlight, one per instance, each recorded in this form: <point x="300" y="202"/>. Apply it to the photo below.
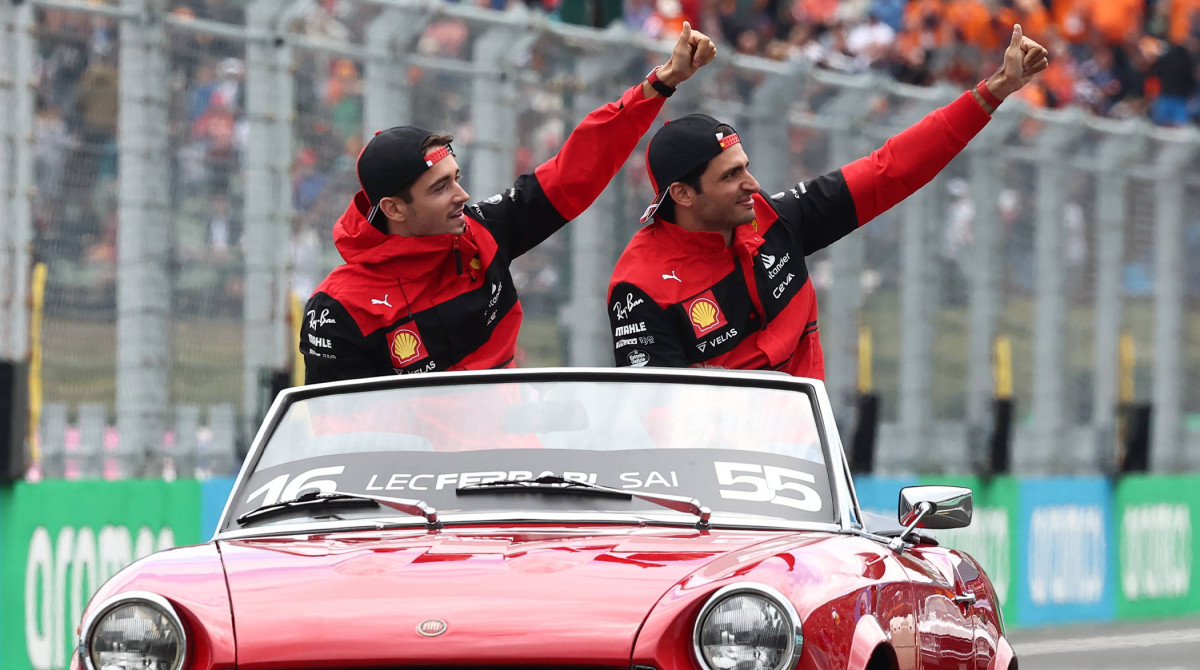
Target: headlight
<point x="133" y="630"/>
<point x="748" y="627"/>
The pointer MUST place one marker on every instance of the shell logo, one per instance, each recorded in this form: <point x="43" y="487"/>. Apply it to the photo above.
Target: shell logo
<point x="705" y="314"/>
<point x="406" y="346"/>
<point x="476" y="264"/>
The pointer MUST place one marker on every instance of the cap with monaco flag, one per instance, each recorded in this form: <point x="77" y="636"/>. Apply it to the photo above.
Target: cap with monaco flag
<point x="393" y="160"/>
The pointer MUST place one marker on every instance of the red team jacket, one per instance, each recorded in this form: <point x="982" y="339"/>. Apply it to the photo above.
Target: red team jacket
<point x="679" y="298"/>
<point x="447" y="302"/>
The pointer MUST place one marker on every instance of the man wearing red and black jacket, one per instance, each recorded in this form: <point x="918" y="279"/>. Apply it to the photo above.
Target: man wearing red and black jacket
<point x="718" y="277"/>
<point x="426" y="284"/>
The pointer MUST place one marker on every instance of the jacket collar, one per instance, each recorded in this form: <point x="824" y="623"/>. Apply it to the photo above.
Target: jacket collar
<point x="704" y="242"/>
<point x="410" y="257"/>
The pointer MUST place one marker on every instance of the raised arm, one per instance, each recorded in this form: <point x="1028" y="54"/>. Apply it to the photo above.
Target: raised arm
<point x="564" y="186"/>
<point x="912" y="158"/>
<point x="831" y="206"/>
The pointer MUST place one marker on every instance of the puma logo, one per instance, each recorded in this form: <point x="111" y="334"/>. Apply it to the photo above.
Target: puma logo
<point x="672" y="276"/>
<point x="381" y="302"/>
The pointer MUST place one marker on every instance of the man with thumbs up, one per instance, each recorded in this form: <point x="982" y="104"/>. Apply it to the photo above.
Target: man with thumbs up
<point x="426" y="284"/>
<point x="717" y="277"/>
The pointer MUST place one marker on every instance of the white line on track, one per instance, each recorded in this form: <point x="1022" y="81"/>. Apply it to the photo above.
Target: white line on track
<point x="1105" y="643"/>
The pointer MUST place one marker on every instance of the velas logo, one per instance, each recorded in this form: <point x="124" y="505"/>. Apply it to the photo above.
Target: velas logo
<point x="405" y="345"/>
<point x="704" y="313"/>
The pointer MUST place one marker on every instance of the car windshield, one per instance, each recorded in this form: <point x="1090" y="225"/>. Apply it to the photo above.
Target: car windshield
<point x="745" y="451"/>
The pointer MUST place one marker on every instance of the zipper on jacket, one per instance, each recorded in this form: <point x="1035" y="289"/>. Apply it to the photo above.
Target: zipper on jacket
<point x="751" y="285"/>
<point x="457" y="257"/>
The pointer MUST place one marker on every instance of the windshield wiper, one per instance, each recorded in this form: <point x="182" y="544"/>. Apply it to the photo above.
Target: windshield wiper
<point x="316" y="498"/>
<point x="556" y="483"/>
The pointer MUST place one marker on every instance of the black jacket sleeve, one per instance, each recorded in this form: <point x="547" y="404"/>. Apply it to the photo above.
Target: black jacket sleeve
<point x="334" y="348"/>
<point x="821" y="210"/>
<point x="644" y="334"/>
<point x="560" y="189"/>
<point x="520" y="218"/>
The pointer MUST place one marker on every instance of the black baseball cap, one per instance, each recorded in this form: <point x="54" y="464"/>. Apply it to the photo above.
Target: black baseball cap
<point x="393" y="160"/>
<point x="681" y="146"/>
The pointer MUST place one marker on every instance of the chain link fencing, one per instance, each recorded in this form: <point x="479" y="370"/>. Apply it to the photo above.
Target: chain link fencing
<point x="186" y="163"/>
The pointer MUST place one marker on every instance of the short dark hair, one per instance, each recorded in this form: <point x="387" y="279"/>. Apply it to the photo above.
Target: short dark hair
<point x="667" y="209"/>
<point x="439" y="140"/>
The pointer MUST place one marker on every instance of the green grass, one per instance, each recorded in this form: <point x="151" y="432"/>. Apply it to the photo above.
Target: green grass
<point x="80" y="355"/>
<point x="79" y="362"/>
<point x="79" y="359"/>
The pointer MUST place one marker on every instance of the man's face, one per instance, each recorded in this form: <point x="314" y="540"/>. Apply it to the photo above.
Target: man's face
<point x="437" y="203"/>
<point x="724" y="199"/>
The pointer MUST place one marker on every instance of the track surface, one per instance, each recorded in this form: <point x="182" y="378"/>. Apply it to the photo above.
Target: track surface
<point x="1157" y="645"/>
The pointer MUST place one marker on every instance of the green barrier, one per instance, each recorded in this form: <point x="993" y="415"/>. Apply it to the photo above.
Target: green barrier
<point x="990" y="538"/>
<point x="1155" y="556"/>
<point x="62" y="540"/>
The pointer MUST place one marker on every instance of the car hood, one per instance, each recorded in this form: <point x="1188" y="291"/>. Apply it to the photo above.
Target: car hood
<point x="506" y="597"/>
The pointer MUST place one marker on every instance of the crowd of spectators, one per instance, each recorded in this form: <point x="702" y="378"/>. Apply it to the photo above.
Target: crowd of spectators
<point x="1118" y="58"/>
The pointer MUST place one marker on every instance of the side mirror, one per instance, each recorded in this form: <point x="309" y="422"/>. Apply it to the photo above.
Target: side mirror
<point x="935" y="507"/>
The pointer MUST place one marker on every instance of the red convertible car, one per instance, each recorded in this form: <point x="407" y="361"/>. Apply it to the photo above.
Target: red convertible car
<point x="632" y="519"/>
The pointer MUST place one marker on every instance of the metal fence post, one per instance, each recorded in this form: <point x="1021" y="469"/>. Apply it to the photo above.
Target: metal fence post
<point x="1047" y="453"/>
<point x="143" y="293"/>
<point x="386" y="98"/>
<point x="17" y="157"/>
<point x="91" y="459"/>
<point x="54" y="440"/>
<point x="8" y="126"/>
<point x="839" y="340"/>
<point x="917" y="302"/>
<point x="183" y="452"/>
<point x="984" y="298"/>
<point x="592" y="242"/>
<point x="767" y="139"/>
<point x="1166" y="445"/>
<point x="1118" y="149"/>
<point x="493" y="108"/>
<point x="269" y="206"/>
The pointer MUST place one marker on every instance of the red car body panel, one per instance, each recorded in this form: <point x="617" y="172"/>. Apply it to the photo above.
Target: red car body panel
<point x="190" y="578"/>
<point x="599" y="596"/>
<point x="508" y="596"/>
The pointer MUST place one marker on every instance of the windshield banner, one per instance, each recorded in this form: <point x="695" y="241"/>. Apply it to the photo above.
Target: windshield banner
<point x="724" y="480"/>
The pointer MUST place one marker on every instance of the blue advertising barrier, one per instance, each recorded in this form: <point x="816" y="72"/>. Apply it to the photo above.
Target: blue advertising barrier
<point x="1065" y="551"/>
<point x="213" y="494"/>
<point x="881" y="495"/>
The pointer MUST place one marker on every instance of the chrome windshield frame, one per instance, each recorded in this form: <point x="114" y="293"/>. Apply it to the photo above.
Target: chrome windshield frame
<point x="844" y="501"/>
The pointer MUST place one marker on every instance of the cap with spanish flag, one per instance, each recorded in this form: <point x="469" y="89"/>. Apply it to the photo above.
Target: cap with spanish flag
<point x="681" y="146"/>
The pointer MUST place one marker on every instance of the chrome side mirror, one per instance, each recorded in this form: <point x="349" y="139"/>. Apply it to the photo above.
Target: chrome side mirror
<point x="935" y="507"/>
<point x="932" y="507"/>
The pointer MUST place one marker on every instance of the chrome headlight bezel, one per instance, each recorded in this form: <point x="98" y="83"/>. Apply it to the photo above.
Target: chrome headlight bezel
<point x="795" y="641"/>
<point x="145" y="598"/>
